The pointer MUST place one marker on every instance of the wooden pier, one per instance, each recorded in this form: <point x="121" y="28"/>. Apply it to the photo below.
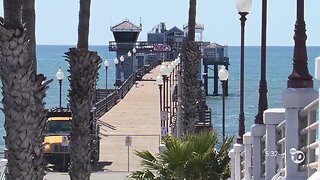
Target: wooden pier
<point x="136" y="116"/>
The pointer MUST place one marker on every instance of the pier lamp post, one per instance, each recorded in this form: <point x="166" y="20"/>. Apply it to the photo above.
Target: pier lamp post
<point x="129" y="54"/>
<point x="106" y="64"/>
<point x="116" y="62"/>
<point x="121" y="60"/>
<point x="243" y="7"/>
<point x="263" y="101"/>
<point x="134" y="51"/>
<point x="169" y="84"/>
<point x="164" y="71"/>
<point x="300" y="77"/>
<point x="60" y="77"/>
<point x="160" y="83"/>
<point x="223" y="76"/>
<point x="121" y="67"/>
<point x="173" y="65"/>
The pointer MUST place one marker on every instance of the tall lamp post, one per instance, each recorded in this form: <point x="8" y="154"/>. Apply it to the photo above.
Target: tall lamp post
<point x="116" y="61"/>
<point x="134" y="67"/>
<point x="129" y="55"/>
<point x="300" y="77"/>
<point x="60" y="77"/>
<point x="223" y="76"/>
<point x="169" y="69"/>
<point x="243" y="7"/>
<point x="164" y="71"/>
<point x="106" y="64"/>
<point x="134" y="51"/>
<point x="263" y="101"/>
<point x="160" y="83"/>
<point x="121" y="59"/>
<point x="121" y="67"/>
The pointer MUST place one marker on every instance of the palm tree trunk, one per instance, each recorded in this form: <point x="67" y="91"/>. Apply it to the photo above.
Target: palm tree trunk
<point x="192" y="19"/>
<point x="190" y="86"/>
<point x="12" y="14"/>
<point x="23" y="107"/>
<point x="23" y="94"/>
<point x="84" y="67"/>
<point x="191" y="57"/>
<point x="83" y="26"/>
<point x="40" y="118"/>
<point x="29" y="18"/>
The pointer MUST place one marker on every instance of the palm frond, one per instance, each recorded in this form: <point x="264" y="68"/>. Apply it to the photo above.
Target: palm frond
<point x="148" y="160"/>
<point x="146" y="174"/>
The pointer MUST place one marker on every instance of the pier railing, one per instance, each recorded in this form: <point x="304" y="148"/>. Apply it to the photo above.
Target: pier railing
<point x="263" y="152"/>
<point x="107" y="99"/>
<point x="308" y="133"/>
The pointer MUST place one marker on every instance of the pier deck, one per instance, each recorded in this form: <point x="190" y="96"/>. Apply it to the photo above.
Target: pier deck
<point x="137" y="115"/>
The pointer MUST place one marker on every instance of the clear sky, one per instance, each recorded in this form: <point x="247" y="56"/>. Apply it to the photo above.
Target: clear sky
<point x="57" y="20"/>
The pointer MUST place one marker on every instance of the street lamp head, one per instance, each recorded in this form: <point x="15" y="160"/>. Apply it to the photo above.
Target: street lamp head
<point x="223" y="74"/>
<point x="134" y="50"/>
<point x="244" y="5"/>
<point x="159" y="80"/>
<point x="116" y="60"/>
<point x="121" y="58"/>
<point x="129" y="54"/>
<point x="106" y="63"/>
<point x="164" y="70"/>
<point x="60" y="74"/>
<point x="178" y="59"/>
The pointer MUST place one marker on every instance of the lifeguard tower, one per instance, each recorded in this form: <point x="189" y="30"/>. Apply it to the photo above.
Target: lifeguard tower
<point x="125" y="35"/>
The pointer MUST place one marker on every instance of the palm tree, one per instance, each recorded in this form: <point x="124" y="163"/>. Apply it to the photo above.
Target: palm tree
<point x="187" y="158"/>
<point x="191" y="91"/>
<point x="23" y="93"/>
<point x="84" y="65"/>
<point x="40" y="119"/>
<point x="29" y="18"/>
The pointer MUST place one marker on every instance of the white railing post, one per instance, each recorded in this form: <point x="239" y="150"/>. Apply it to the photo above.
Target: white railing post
<point x="232" y="164"/>
<point x="3" y="164"/>
<point x="238" y="148"/>
<point x="257" y="131"/>
<point x="316" y="175"/>
<point x="248" y="141"/>
<point x="293" y="100"/>
<point x="271" y="118"/>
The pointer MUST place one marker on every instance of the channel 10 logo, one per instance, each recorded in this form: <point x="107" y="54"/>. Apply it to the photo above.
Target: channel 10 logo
<point x="297" y="156"/>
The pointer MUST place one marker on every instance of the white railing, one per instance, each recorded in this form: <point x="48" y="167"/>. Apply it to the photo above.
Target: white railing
<point x="3" y="168"/>
<point x="309" y="144"/>
<point x="270" y="163"/>
<point x="260" y="148"/>
<point x="286" y="146"/>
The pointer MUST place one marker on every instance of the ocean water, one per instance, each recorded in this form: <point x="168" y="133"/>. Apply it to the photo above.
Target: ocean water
<point x="279" y="66"/>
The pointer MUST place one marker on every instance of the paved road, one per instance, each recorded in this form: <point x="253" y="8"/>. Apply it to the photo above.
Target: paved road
<point x="94" y="176"/>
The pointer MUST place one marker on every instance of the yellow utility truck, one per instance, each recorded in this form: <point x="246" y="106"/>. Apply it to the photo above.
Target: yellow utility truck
<point x="56" y="142"/>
